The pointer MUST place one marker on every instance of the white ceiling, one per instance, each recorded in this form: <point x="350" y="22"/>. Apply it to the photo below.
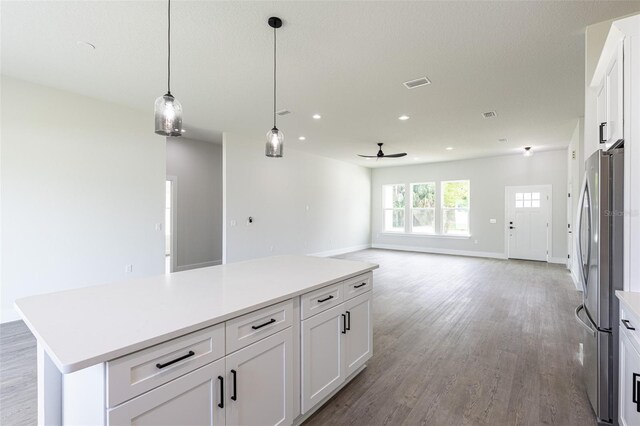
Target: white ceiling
<point x="343" y="60"/>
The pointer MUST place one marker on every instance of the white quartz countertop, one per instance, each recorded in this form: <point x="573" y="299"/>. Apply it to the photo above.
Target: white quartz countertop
<point x="630" y="300"/>
<point x="87" y="326"/>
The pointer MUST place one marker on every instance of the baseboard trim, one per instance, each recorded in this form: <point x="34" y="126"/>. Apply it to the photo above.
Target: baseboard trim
<point x="452" y="252"/>
<point x="198" y="265"/>
<point x="343" y="250"/>
<point x="558" y="260"/>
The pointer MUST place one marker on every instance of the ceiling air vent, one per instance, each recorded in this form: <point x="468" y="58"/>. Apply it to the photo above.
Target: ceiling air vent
<point x="489" y="114"/>
<point x="412" y="84"/>
<point x="283" y="112"/>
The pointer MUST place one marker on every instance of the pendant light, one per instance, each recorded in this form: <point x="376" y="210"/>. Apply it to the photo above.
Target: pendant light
<point x="168" y="110"/>
<point x="275" y="137"/>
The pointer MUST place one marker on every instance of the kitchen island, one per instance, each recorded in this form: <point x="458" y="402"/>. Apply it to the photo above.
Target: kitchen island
<point x="265" y="341"/>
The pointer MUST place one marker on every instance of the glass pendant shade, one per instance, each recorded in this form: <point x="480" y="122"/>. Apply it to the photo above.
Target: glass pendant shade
<point x="275" y="143"/>
<point x="168" y="116"/>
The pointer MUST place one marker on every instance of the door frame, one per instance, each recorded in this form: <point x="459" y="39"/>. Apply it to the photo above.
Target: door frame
<point x="174" y="221"/>
<point x="549" y="212"/>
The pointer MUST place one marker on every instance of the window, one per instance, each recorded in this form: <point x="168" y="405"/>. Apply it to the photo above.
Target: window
<point x="393" y="204"/>
<point x="455" y="207"/>
<point x="423" y="208"/>
<point x="527" y="200"/>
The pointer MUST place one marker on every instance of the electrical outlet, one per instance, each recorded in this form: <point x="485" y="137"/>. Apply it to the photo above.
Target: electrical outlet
<point x="129" y="268"/>
<point x="158" y="227"/>
<point x="271" y="248"/>
<point x="493" y="221"/>
<point x="233" y="223"/>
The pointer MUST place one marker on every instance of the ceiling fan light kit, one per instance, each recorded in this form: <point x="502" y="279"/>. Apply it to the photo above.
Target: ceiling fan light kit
<point x="381" y="154"/>
<point x="168" y="111"/>
<point x="275" y="138"/>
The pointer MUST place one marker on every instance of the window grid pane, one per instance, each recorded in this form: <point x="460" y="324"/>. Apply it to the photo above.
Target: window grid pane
<point x="423" y="221"/>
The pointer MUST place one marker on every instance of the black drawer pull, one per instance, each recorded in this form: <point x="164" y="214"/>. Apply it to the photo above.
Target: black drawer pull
<point x="359" y="285"/>
<point x="602" y="140"/>
<point x="235" y="389"/>
<point x="166" y="364"/>
<point x="348" y="320"/>
<point x="626" y="324"/>
<point x="221" y="404"/>
<point x="344" y="324"/>
<point x="325" y="299"/>
<point x="271" y="321"/>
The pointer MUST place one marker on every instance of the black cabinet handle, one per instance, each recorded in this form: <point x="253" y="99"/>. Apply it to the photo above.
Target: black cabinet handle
<point x="221" y="379"/>
<point x="235" y="389"/>
<point x="602" y="132"/>
<point x="635" y="391"/>
<point x="512" y="227"/>
<point x="348" y="321"/>
<point x="344" y="324"/>
<point x="626" y="324"/>
<point x="271" y="321"/>
<point x="325" y="299"/>
<point x="166" y="364"/>
<point x="359" y="285"/>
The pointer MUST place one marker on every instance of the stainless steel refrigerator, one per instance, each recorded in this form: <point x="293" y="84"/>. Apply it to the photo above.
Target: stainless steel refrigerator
<point x="599" y="248"/>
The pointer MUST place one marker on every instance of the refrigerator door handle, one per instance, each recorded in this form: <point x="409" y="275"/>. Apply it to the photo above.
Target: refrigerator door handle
<point x="582" y="323"/>
<point x="583" y="275"/>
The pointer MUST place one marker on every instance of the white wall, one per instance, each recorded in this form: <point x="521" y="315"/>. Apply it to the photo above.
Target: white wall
<point x="276" y="193"/>
<point x="82" y="185"/>
<point x="198" y="168"/>
<point x="488" y="177"/>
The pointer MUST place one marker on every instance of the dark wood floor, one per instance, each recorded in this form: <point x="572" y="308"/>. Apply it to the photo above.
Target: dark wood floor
<point x="457" y="341"/>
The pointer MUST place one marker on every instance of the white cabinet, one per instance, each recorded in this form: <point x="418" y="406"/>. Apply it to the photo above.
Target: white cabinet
<point x="610" y="100"/>
<point x="629" y="395"/>
<point x="260" y="382"/>
<point x="335" y="343"/>
<point x="322" y="355"/>
<point x="359" y="337"/>
<point x="189" y="400"/>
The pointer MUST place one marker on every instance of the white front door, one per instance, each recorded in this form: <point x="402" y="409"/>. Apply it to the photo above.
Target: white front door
<point x="528" y="221"/>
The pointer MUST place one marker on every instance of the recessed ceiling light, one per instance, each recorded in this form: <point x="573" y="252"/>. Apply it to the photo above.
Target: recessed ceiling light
<point x="449" y="148"/>
<point x="302" y="138"/>
<point x="416" y="158"/>
<point x="317" y="116"/>
<point x="403" y="117"/>
<point x="86" y="45"/>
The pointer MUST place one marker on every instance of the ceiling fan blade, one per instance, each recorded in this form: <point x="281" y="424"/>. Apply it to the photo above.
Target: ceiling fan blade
<point x="367" y="156"/>
<point x="396" y="155"/>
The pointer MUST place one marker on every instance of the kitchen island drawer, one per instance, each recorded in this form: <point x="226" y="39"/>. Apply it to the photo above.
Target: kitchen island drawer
<point x="322" y="299"/>
<point x="247" y="329"/>
<point x="149" y="368"/>
<point x="357" y="285"/>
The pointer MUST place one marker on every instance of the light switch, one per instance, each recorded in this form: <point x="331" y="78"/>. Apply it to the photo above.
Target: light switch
<point x="232" y="223"/>
<point x="493" y="221"/>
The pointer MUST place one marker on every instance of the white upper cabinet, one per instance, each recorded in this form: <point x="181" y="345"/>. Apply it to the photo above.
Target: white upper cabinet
<point x="610" y="99"/>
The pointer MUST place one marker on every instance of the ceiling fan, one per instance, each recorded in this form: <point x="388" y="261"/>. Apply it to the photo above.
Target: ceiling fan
<point x="381" y="154"/>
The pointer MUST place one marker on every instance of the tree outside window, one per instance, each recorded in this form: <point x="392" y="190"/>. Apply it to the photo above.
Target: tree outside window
<point x="394" y="205"/>
<point x="455" y="207"/>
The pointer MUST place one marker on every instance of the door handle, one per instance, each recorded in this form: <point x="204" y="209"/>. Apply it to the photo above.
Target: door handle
<point x="166" y="364"/>
<point x="256" y="327"/>
<point x="344" y="324"/>
<point x="602" y="140"/>
<point x="512" y="227"/>
<point x="348" y="321"/>
<point x="221" y="379"/>
<point x="325" y="299"/>
<point x="234" y="397"/>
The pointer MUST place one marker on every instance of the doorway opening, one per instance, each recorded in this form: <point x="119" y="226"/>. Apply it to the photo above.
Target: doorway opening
<point x="528" y="222"/>
<point x="169" y="224"/>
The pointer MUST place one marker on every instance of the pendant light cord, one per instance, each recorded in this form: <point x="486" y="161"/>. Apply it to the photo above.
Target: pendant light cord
<point x="169" y="48"/>
<point x="274" y="77"/>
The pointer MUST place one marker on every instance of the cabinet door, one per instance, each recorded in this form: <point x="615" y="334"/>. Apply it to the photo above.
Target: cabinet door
<point x="629" y="395"/>
<point x="191" y="400"/>
<point x="614" y="95"/>
<point x="323" y="341"/>
<point x="601" y="113"/>
<point x="359" y="337"/>
<point x="260" y="382"/>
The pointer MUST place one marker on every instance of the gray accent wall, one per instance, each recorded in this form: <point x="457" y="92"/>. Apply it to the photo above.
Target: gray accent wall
<point x="488" y="177"/>
<point x="197" y="165"/>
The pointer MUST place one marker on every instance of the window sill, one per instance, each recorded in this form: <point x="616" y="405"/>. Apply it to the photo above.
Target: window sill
<point x="405" y="234"/>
